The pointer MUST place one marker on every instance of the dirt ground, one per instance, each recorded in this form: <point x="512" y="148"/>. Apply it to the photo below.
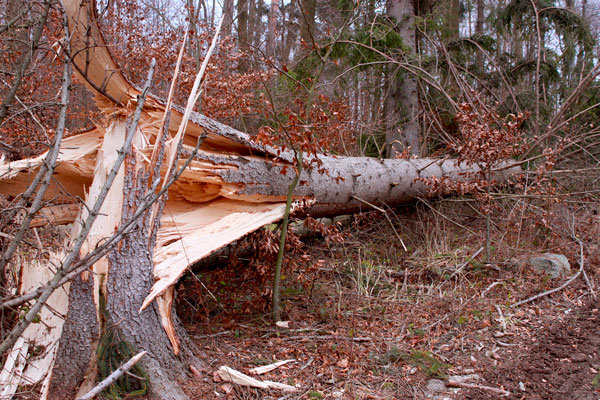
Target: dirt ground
<point x="562" y="361"/>
<point x="395" y="313"/>
<point x="379" y="322"/>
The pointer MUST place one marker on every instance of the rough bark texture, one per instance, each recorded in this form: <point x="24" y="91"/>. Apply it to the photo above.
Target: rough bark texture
<point x="390" y="182"/>
<point x="129" y="281"/>
<point x="78" y="342"/>
<point x="402" y="102"/>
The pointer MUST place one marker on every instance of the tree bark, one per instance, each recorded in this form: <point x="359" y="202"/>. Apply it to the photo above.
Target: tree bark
<point x="272" y="30"/>
<point x="75" y="358"/>
<point x="228" y="21"/>
<point x="129" y="280"/>
<point x="307" y="22"/>
<point x="402" y="101"/>
<point x="453" y="20"/>
<point x="292" y="32"/>
<point x="242" y="31"/>
<point x="479" y="62"/>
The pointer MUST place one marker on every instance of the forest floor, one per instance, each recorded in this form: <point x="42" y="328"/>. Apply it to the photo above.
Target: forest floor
<point x="371" y="320"/>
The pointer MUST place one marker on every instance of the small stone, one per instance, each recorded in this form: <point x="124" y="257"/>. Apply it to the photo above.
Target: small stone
<point x="554" y="265"/>
<point x="435" y="385"/>
<point x="521" y="386"/>
<point x="579" y="357"/>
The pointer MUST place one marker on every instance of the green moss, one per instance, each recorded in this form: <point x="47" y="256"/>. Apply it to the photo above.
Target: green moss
<point x="427" y="363"/>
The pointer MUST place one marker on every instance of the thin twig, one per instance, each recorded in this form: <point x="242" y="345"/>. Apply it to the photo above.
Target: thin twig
<point x="424" y="201"/>
<point x="463" y="265"/>
<point x="493" y="285"/>
<point x="44" y="175"/>
<point x="112" y="378"/>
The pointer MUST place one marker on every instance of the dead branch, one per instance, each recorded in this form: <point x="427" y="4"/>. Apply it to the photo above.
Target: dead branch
<point x="113" y="377"/>
<point x="464" y="385"/>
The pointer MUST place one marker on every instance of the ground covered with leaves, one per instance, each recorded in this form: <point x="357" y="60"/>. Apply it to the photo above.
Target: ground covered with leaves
<point x="394" y="313"/>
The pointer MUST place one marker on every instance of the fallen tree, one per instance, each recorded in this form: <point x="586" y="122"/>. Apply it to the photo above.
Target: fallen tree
<point x="228" y="186"/>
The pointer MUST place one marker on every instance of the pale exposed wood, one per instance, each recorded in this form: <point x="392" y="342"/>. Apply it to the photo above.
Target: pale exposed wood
<point x="92" y="60"/>
<point x="165" y="305"/>
<point x="268" y="368"/>
<point x="231" y="375"/>
<point x="74" y="170"/>
<point x="10" y="378"/>
<point x="39" y="335"/>
<point x="110" y="213"/>
<point x="190" y="232"/>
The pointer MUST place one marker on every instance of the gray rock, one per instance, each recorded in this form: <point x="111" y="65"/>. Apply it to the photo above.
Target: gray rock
<point x="435" y="385"/>
<point x="554" y="265"/>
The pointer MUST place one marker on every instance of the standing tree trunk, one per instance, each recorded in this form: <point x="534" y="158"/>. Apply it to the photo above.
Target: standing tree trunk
<point x="228" y="19"/>
<point x="402" y="101"/>
<point x="292" y="32"/>
<point x="272" y="29"/>
<point x="307" y="23"/>
<point x="452" y="20"/>
<point x="242" y="31"/>
<point x="479" y="32"/>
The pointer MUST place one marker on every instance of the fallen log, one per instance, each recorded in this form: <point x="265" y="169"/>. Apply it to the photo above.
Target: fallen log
<point x="231" y="187"/>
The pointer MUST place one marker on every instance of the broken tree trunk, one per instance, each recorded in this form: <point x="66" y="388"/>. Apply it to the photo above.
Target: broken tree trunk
<point x="231" y="187"/>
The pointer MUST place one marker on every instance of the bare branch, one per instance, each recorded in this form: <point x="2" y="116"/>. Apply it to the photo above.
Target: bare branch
<point x="561" y="287"/>
<point x="112" y="378"/>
